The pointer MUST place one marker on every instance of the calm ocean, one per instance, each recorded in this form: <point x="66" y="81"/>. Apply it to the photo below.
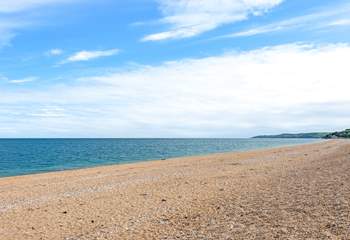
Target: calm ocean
<point x="27" y="156"/>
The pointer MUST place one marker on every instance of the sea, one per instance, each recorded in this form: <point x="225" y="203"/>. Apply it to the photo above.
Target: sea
<point x="29" y="156"/>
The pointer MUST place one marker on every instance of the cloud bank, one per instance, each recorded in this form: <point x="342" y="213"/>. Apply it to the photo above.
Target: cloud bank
<point x="296" y="87"/>
<point x="188" y="18"/>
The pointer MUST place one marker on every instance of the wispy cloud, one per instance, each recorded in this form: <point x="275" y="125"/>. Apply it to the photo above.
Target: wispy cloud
<point x="22" y="5"/>
<point x="49" y="112"/>
<point x="315" y="21"/>
<point x="188" y="18"/>
<point x="5" y="37"/>
<point x="8" y="27"/>
<point x="234" y="94"/>
<point x="54" y="52"/>
<point x="16" y="15"/>
<point x="90" y="55"/>
<point x="22" y="80"/>
<point x="340" y="22"/>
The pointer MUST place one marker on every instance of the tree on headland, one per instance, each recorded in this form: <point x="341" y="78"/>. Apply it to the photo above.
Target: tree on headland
<point x="342" y="134"/>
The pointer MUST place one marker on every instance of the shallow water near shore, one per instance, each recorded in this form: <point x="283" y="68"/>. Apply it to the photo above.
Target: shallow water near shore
<point x="28" y="156"/>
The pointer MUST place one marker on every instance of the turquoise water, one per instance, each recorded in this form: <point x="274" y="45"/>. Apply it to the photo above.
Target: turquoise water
<point x="27" y="156"/>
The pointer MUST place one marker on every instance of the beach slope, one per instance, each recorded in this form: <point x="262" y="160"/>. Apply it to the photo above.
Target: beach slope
<point x="300" y="192"/>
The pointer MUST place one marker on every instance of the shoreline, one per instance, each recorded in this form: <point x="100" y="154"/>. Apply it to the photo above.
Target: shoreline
<point x="131" y="162"/>
<point x="285" y="192"/>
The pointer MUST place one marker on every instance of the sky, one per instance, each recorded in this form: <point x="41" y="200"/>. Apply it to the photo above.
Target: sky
<point x="173" y="68"/>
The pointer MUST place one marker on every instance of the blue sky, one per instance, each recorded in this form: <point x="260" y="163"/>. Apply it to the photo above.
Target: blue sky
<point x="162" y="68"/>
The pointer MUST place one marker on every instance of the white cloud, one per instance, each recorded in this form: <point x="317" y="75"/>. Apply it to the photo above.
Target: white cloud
<point x="275" y="89"/>
<point x="188" y="18"/>
<point x="54" y="52"/>
<point x="90" y="55"/>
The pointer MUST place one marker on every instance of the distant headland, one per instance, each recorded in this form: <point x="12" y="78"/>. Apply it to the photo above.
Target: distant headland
<point x="342" y="134"/>
<point x="325" y="135"/>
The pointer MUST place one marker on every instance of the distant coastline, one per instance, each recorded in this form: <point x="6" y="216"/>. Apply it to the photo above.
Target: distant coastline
<point x="296" y="135"/>
<point x="324" y="135"/>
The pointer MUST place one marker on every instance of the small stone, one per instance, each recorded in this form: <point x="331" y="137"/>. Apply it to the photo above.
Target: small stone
<point x="234" y="164"/>
<point x="237" y="226"/>
<point x="284" y="230"/>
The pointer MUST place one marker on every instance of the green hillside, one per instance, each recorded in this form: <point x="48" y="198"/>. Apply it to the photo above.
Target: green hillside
<point x="296" y="135"/>
<point x="342" y="134"/>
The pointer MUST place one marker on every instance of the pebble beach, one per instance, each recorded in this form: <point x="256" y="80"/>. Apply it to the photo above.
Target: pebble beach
<point x="298" y="192"/>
